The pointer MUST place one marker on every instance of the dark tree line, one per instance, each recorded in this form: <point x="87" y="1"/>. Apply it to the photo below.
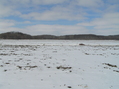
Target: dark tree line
<point x="19" y="35"/>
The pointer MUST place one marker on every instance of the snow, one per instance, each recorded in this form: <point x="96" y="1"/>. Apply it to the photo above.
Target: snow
<point x="59" y="64"/>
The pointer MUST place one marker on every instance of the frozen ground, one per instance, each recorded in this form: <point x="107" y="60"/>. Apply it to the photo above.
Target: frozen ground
<point x="59" y="64"/>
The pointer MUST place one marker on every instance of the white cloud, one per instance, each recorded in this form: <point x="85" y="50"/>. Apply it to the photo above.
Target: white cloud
<point x="46" y="2"/>
<point x="27" y="22"/>
<point x="52" y="15"/>
<point x="56" y="13"/>
<point x="113" y="1"/>
<point x="10" y="25"/>
<point x="107" y="19"/>
<point x="5" y="11"/>
<point x="56" y="29"/>
<point x="60" y="11"/>
<point x="6" y="23"/>
<point x="101" y="26"/>
<point x="32" y="2"/>
<point x="70" y="11"/>
<point x="90" y="3"/>
<point x="108" y="24"/>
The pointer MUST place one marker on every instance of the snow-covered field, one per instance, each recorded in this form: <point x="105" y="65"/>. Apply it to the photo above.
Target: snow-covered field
<point x="59" y="64"/>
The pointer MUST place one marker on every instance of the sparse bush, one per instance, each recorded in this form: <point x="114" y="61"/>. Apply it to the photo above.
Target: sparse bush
<point x="5" y="70"/>
<point x="61" y="67"/>
<point x="81" y="44"/>
<point x="110" y="65"/>
<point x="69" y="86"/>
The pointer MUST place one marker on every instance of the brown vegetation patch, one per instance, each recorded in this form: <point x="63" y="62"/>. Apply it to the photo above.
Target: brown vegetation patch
<point x="81" y="44"/>
<point x="110" y="65"/>
<point x="62" y="67"/>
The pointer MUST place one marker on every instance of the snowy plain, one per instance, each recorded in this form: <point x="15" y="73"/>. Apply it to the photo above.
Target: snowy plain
<point x="59" y="64"/>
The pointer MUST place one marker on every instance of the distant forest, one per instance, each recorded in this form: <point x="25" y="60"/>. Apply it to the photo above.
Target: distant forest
<point x="19" y="35"/>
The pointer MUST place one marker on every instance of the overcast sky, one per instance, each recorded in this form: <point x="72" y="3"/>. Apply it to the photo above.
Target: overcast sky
<point x="59" y="17"/>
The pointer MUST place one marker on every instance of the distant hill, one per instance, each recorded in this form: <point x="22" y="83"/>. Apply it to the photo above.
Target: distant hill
<point x="45" y="37"/>
<point x="15" y="35"/>
<point x="19" y="35"/>
<point x="90" y="37"/>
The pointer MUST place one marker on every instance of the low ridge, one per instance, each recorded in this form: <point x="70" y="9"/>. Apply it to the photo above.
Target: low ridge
<point x="19" y="35"/>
